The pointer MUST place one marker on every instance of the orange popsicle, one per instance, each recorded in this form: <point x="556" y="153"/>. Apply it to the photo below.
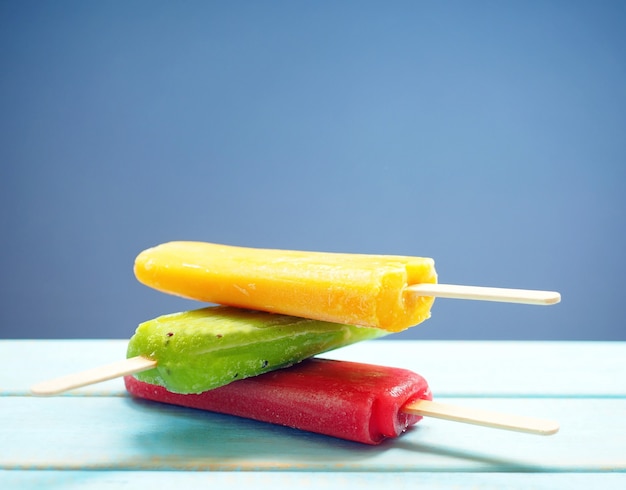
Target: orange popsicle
<point x="357" y="289"/>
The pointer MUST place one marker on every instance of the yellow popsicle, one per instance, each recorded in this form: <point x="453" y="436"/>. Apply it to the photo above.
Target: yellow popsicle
<point x="357" y="289"/>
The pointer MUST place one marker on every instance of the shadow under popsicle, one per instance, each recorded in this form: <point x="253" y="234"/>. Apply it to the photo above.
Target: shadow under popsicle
<point x="180" y="438"/>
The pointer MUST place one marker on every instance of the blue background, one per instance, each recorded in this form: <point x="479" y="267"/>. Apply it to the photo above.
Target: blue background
<point x="489" y="135"/>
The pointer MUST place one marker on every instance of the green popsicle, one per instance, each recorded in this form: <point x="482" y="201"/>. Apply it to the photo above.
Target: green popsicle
<point x="203" y="349"/>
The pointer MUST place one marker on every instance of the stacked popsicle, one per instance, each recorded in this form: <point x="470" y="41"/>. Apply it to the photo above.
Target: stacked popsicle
<point x="253" y="355"/>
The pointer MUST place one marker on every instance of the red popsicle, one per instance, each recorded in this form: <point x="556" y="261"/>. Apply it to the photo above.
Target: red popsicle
<point x="354" y="401"/>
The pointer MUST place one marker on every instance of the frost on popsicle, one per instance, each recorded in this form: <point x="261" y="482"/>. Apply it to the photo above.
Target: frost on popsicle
<point x="353" y="401"/>
<point x="357" y="289"/>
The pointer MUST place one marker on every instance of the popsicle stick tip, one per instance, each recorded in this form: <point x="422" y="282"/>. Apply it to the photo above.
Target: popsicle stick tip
<point x="95" y="375"/>
<point x="551" y="427"/>
<point x="552" y="297"/>
<point x="479" y="293"/>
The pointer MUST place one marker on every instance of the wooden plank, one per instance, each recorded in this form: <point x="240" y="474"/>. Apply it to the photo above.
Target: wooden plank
<point x="166" y="480"/>
<point x="463" y="368"/>
<point x="503" y="368"/>
<point x="578" y="383"/>
<point x="36" y="360"/>
<point x="118" y="433"/>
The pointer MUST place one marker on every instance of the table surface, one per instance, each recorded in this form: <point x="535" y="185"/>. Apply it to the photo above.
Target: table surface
<point x="99" y="437"/>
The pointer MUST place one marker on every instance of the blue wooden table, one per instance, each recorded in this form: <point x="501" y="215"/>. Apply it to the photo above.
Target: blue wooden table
<point x="98" y="437"/>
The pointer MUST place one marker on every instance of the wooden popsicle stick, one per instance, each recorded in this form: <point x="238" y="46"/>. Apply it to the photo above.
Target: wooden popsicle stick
<point x="526" y="296"/>
<point x="92" y="376"/>
<point x="481" y="417"/>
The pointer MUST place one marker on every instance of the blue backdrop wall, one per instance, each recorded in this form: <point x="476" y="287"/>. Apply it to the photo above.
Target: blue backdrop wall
<point x="488" y="135"/>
